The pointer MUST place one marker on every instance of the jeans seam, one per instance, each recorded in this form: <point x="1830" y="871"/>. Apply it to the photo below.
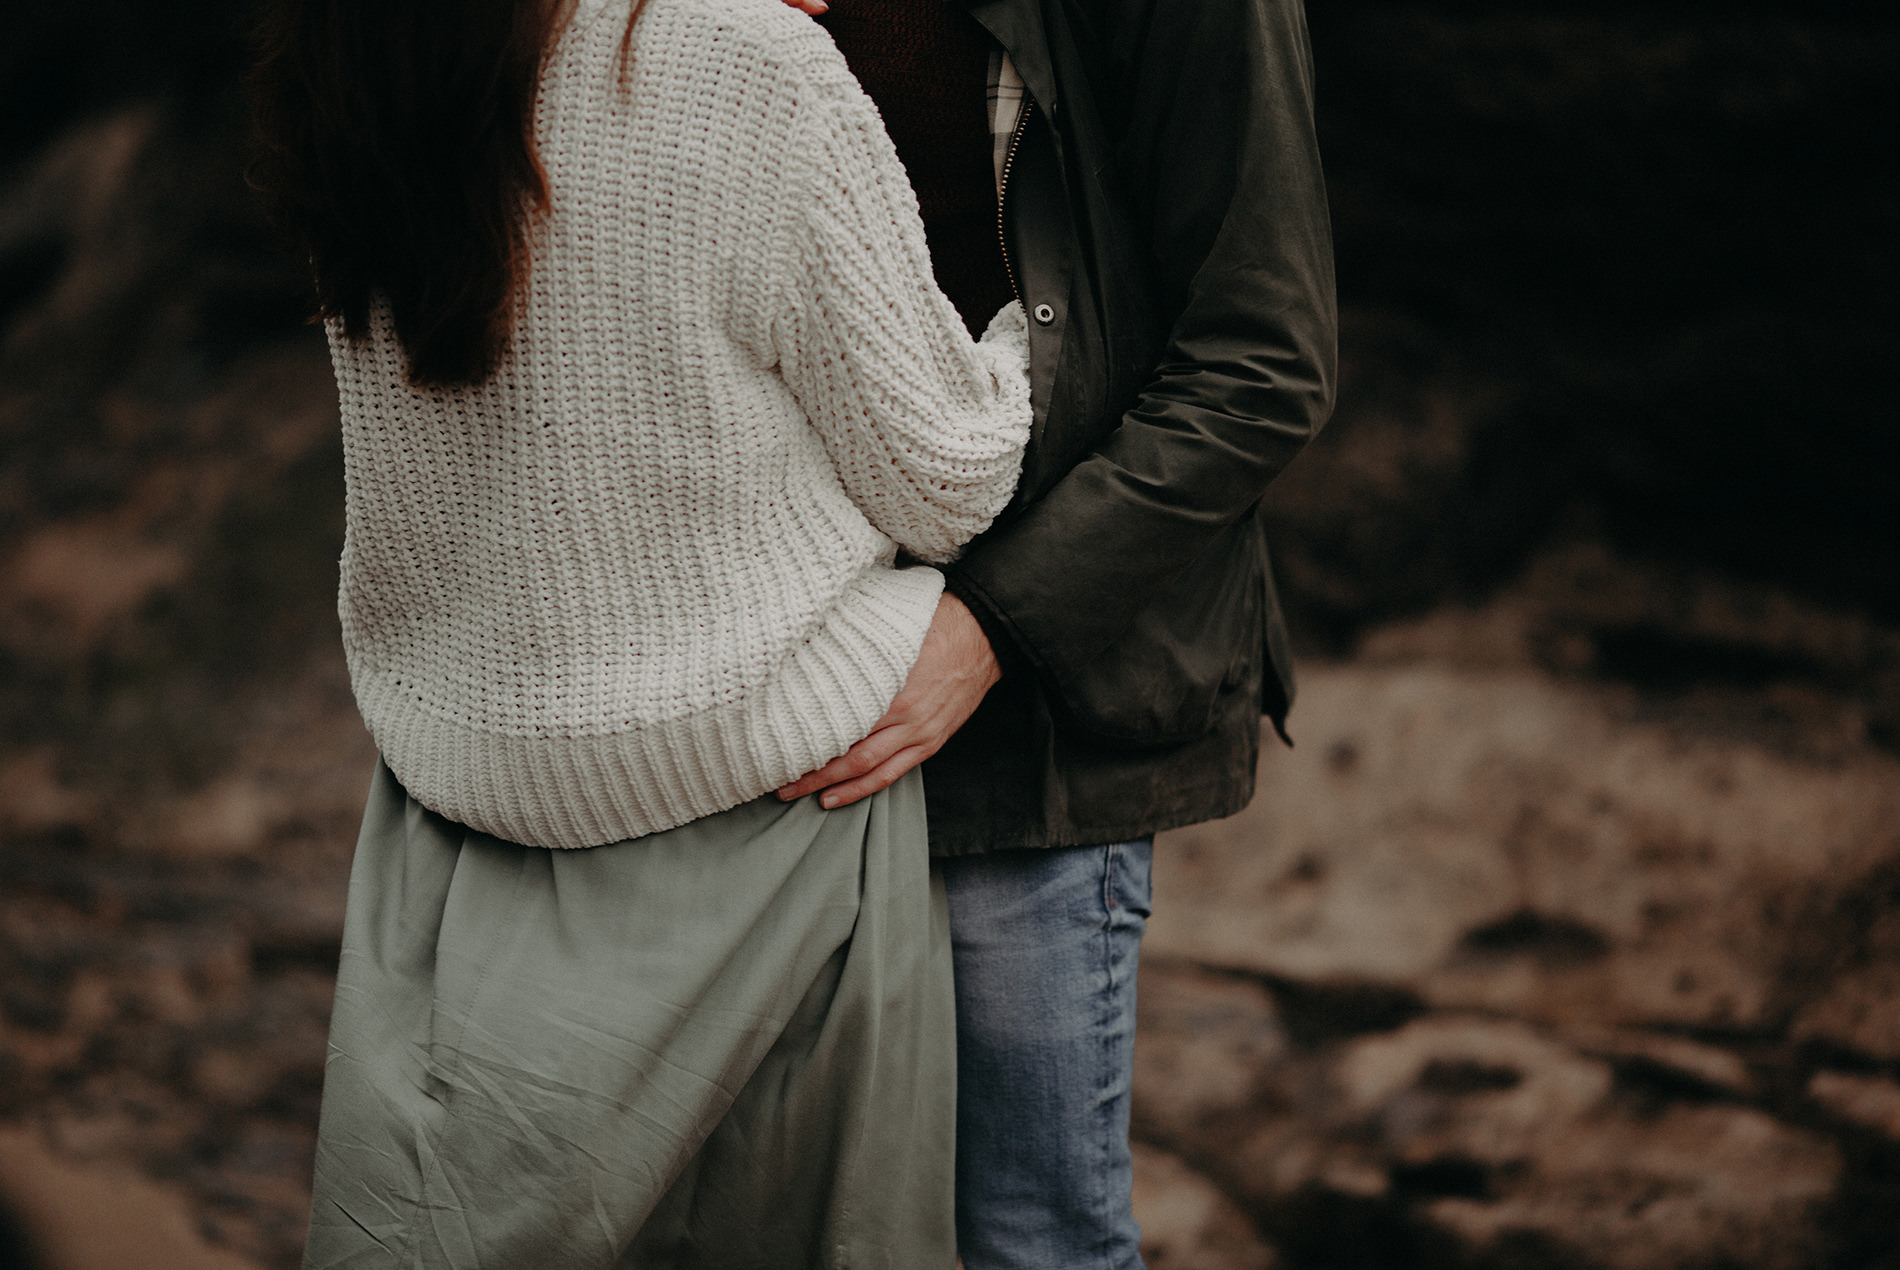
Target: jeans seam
<point x="1092" y="1228"/>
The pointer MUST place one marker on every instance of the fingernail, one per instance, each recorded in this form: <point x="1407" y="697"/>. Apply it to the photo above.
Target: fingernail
<point x="784" y="792"/>
<point x="828" y="802"/>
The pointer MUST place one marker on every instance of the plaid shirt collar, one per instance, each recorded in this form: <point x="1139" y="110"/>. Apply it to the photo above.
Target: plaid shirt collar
<point x="1006" y="96"/>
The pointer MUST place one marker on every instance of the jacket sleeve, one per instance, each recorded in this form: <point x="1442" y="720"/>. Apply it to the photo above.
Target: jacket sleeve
<point x="924" y="426"/>
<point x="1220" y="138"/>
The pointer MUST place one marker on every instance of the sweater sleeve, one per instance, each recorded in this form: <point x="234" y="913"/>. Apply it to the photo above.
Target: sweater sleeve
<point x="925" y="427"/>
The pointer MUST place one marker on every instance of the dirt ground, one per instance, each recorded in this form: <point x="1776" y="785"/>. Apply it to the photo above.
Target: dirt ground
<point x="1567" y="937"/>
<point x="1502" y="967"/>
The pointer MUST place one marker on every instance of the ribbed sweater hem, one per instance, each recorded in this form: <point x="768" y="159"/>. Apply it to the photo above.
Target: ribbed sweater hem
<point x="586" y="791"/>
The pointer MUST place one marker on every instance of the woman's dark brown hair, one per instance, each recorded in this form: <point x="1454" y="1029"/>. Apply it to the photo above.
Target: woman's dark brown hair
<point x="396" y="153"/>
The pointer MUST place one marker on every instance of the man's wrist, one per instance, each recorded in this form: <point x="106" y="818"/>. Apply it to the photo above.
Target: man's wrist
<point x="995" y="635"/>
<point x="972" y="642"/>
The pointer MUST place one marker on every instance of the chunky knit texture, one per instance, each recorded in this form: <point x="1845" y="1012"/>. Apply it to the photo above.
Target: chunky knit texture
<point x="646" y="572"/>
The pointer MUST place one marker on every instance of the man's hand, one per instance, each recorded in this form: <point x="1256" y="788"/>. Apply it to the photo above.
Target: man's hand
<point x="954" y="669"/>
<point x="813" y="7"/>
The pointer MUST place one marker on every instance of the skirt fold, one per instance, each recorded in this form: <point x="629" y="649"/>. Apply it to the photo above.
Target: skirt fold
<point x="726" y="1045"/>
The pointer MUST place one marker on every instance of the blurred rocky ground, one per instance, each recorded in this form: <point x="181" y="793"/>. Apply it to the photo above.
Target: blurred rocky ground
<point x="1568" y="936"/>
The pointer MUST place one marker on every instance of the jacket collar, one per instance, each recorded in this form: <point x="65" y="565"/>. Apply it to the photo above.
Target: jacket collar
<point x="1017" y="26"/>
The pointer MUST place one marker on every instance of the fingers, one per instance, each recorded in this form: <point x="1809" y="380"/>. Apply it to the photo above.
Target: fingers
<point x="813" y="7"/>
<point x="882" y="776"/>
<point x="860" y="760"/>
<point x="953" y="671"/>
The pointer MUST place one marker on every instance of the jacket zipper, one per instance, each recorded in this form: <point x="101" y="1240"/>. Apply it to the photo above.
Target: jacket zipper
<point x="1002" y="187"/>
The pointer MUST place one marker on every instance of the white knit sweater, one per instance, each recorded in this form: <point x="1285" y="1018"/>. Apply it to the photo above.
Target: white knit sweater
<point x="645" y="573"/>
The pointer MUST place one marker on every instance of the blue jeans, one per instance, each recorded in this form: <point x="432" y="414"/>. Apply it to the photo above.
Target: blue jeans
<point x="1045" y="945"/>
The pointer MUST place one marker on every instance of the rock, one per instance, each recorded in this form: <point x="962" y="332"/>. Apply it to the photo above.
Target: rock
<point x="1187" y="1223"/>
<point x="1690" y="1066"/>
<point x="1858" y="1006"/>
<point x="1381" y="511"/>
<point x="91" y="571"/>
<point x="1499" y="841"/>
<point x="1693" y="1186"/>
<point x="1203" y="1045"/>
<point x="33" y="798"/>
<point x="1860" y="1012"/>
<point x="1872" y="1101"/>
<point x="1504" y="1080"/>
<point x="1495" y="1140"/>
<point x="100" y="1217"/>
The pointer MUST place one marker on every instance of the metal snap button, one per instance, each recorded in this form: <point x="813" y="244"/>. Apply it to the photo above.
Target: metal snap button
<point x="1044" y="314"/>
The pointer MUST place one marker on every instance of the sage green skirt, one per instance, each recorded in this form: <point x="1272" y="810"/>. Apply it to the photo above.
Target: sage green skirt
<point x="727" y="1045"/>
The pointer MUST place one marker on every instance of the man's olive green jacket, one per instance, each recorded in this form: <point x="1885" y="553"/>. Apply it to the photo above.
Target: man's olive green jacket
<point x="1166" y="225"/>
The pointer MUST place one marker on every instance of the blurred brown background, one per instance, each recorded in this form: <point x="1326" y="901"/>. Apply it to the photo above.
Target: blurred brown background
<point x="1569" y="935"/>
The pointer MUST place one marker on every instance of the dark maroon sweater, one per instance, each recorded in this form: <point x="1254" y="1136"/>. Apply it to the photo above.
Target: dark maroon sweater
<point x="926" y="65"/>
